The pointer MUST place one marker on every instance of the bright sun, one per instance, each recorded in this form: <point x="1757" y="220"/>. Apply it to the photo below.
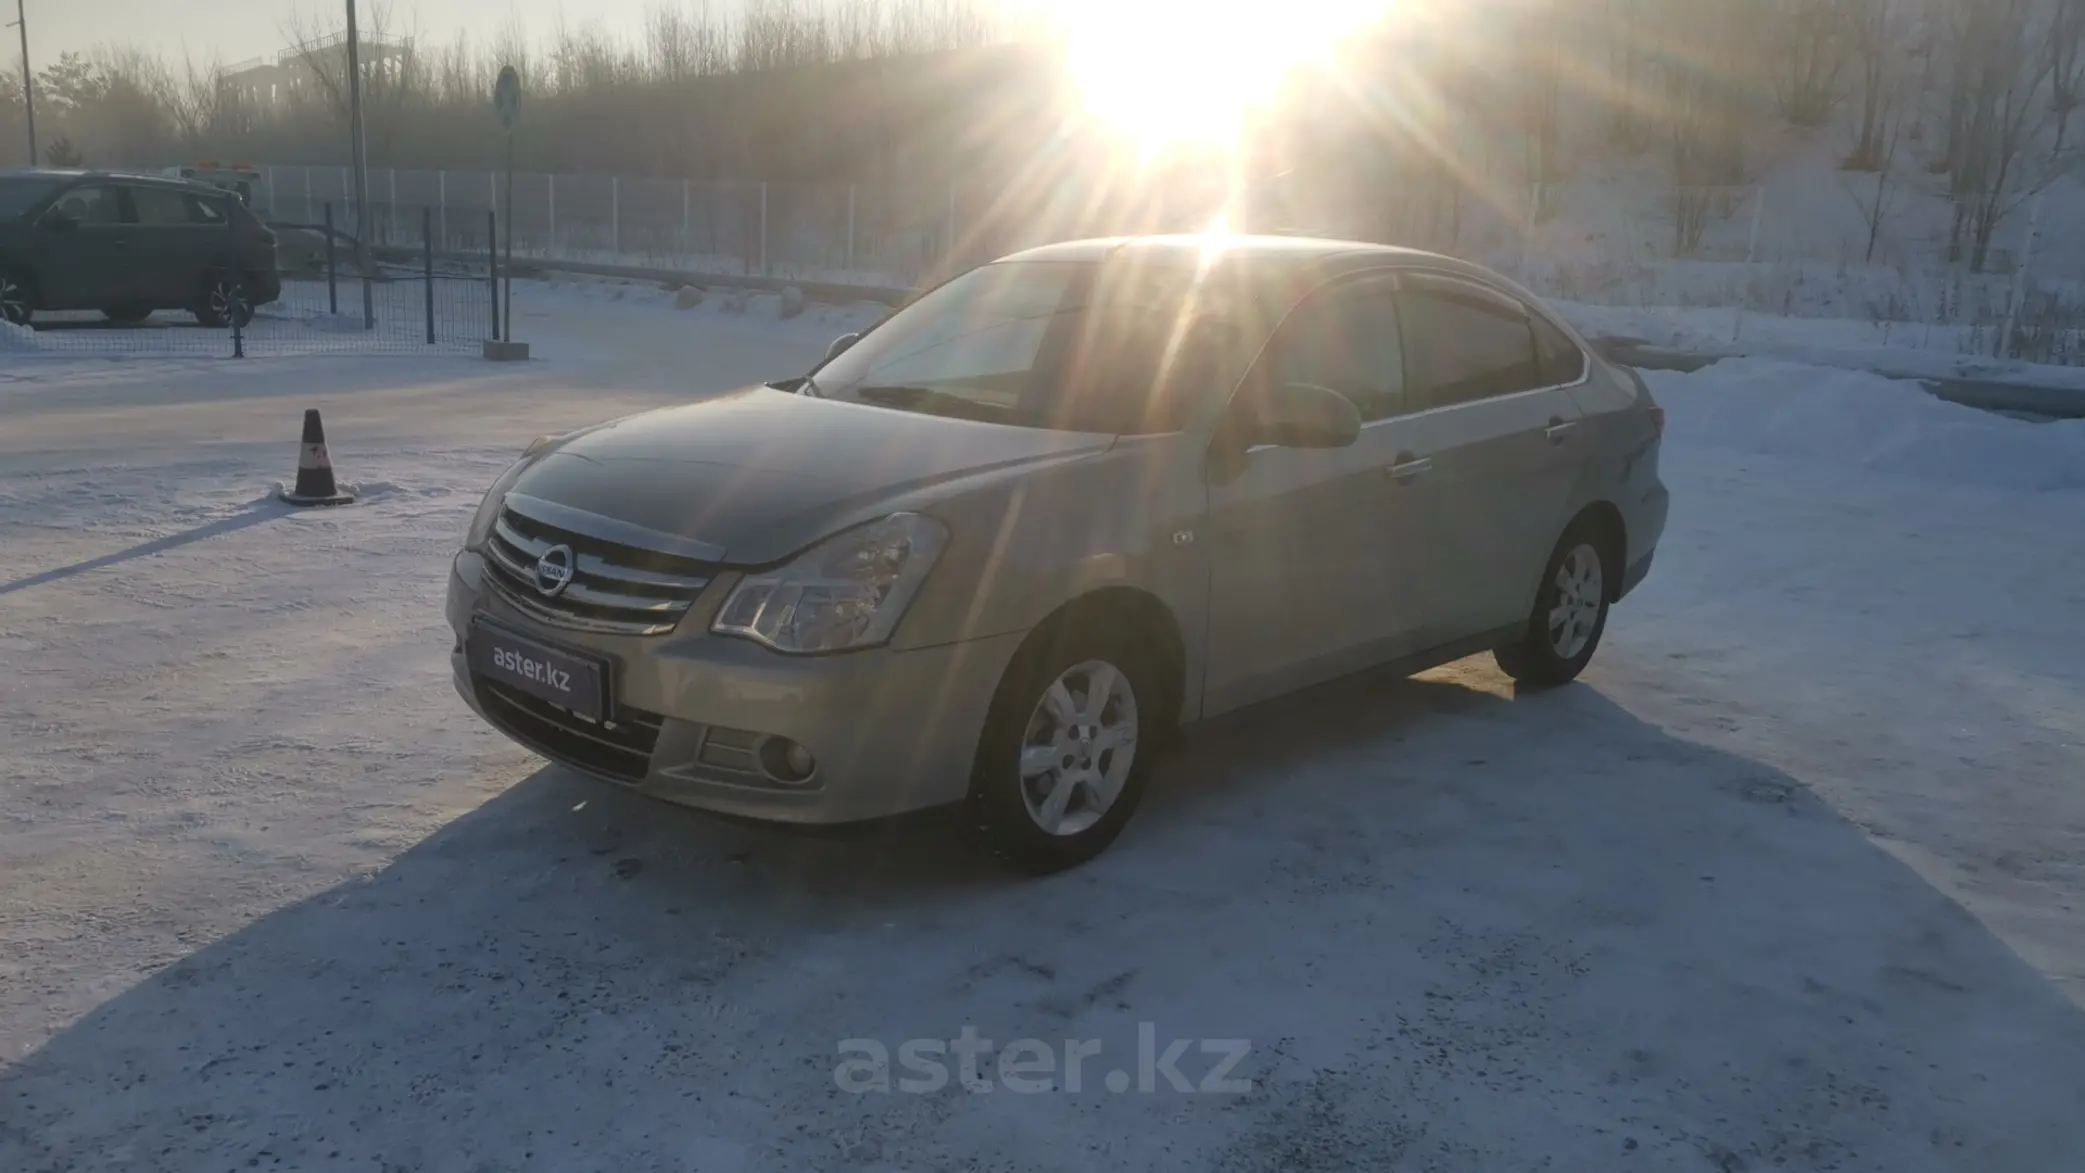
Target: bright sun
<point x="1192" y="71"/>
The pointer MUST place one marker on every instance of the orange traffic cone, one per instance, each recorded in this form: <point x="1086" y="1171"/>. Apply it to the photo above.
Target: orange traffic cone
<point x="315" y="469"/>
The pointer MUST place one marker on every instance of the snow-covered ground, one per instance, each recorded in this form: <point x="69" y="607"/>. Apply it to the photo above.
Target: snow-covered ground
<point x="1791" y="880"/>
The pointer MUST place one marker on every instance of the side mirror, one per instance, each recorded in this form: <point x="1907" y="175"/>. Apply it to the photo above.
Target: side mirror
<point x="1299" y="415"/>
<point x="840" y="345"/>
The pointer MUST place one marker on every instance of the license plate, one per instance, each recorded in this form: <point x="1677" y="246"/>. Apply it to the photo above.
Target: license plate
<point x="565" y="679"/>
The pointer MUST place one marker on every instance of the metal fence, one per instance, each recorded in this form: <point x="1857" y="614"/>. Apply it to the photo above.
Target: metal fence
<point x="861" y="234"/>
<point x="415" y="298"/>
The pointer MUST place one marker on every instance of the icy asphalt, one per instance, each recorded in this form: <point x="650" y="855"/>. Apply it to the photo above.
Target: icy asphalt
<point x="1790" y="881"/>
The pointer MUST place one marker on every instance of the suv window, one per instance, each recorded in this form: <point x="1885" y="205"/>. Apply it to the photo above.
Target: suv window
<point x="159" y="206"/>
<point x="1467" y="343"/>
<point x="1562" y="361"/>
<point x="1346" y="340"/>
<point x="93" y="204"/>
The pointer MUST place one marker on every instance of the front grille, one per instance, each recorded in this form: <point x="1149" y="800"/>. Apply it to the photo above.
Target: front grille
<point x="615" y="586"/>
<point x="620" y="749"/>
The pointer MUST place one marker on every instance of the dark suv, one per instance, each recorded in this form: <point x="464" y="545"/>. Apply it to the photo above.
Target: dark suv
<point x="128" y="245"/>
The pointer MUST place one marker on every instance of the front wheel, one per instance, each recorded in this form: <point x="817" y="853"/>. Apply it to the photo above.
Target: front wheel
<point x="1570" y="613"/>
<point x="223" y="302"/>
<point x="1060" y="767"/>
<point x="16" y="306"/>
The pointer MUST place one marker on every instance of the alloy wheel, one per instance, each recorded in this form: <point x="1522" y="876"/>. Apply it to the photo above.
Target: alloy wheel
<point x="1580" y="590"/>
<point x="1079" y="748"/>
<point x="14" y="301"/>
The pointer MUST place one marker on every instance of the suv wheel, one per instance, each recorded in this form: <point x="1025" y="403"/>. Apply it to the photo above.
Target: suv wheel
<point x="223" y="302"/>
<point x="1570" y="612"/>
<point x="16" y="306"/>
<point x="1059" y="769"/>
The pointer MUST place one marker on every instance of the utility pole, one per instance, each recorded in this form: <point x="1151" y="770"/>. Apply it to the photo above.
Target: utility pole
<point x="21" y="22"/>
<point x="361" y="157"/>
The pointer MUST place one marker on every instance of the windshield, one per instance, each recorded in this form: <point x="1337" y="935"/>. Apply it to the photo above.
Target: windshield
<point x="18" y="193"/>
<point x="1117" y="346"/>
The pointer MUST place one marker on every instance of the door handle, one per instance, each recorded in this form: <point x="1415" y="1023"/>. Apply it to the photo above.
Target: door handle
<point x="1405" y="466"/>
<point x="1558" y="428"/>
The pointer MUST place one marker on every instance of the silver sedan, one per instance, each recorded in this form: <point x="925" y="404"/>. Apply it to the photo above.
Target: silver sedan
<point x="998" y="549"/>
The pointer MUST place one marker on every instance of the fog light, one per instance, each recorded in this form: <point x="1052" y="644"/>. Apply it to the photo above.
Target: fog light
<point x="786" y="761"/>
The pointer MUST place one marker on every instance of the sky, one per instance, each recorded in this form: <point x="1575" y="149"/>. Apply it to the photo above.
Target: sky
<point x="234" y="30"/>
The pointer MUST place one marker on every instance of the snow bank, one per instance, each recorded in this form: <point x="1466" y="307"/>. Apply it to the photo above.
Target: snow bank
<point x="1863" y="420"/>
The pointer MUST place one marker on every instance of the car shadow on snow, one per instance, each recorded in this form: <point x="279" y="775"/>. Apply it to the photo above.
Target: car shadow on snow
<point x="1458" y="929"/>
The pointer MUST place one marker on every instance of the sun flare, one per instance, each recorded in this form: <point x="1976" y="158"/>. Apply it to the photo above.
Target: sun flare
<point x="1193" y="71"/>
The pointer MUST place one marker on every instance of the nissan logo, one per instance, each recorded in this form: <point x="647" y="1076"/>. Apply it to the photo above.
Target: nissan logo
<point x="554" y="571"/>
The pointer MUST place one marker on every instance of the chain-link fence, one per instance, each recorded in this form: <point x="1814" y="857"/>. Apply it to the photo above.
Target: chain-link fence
<point x="413" y="298"/>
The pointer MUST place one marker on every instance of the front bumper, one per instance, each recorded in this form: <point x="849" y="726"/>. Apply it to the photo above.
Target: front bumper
<point x="892" y="731"/>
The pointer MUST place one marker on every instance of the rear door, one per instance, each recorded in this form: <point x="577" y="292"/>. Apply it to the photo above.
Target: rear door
<point x="87" y="262"/>
<point x="179" y="238"/>
<point x="1316" y="569"/>
<point x="1508" y="445"/>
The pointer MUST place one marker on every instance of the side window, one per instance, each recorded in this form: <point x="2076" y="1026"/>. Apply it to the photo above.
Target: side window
<point x="159" y="207"/>
<point x="1467" y="344"/>
<point x="93" y="206"/>
<point x="1346" y="340"/>
<point x="204" y="211"/>
<point x="1562" y="361"/>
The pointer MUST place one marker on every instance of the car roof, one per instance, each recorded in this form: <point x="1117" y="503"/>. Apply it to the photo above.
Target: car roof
<point x="1324" y="255"/>
<point x="73" y="174"/>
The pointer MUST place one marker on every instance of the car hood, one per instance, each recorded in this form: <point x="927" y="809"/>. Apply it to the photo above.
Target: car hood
<point x="760" y="473"/>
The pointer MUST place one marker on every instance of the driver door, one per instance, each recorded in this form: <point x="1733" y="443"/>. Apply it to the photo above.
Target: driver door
<point x="1316" y="568"/>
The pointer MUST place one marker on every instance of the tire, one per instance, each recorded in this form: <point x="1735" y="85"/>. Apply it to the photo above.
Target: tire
<point x="1030" y="753"/>
<point x="128" y="315"/>
<point x="17" y="303"/>
<point x="222" y="302"/>
<point x="1570" y="611"/>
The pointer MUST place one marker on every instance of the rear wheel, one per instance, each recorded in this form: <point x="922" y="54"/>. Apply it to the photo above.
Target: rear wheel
<point x="16" y="304"/>
<point x="1060" y="767"/>
<point x="1570" y="612"/>
<point x="223" y="302"/>
<point x="128" y="315"/>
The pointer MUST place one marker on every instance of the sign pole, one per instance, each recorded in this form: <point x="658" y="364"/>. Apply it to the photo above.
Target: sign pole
<point x="510" y="234"/>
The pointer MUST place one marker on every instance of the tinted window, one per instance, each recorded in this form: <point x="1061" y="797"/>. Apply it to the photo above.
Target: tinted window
<point x="1346" y="341"/>
<point x="94" y="204"/>
<point x="159" y="206"/>
<point x="1562" y="361"/>
<point x="18" y="193"/>
<point x="1466" y="344"/>
<point x="206" y="211"/>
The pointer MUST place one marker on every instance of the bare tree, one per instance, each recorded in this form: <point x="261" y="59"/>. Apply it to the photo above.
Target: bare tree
<point x="1810" y="44"/>
<point x="1887" y="132"/>
<point x="2066" y="43"/>
<point x="2000" y="114"/>
<point x="1874" y="53"/>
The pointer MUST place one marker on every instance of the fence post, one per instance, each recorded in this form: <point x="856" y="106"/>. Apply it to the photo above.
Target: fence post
<point x="1751" y="251"/>
<point x="2012" y="307"/>
<point x="850" y="229"/>
<point x="332" y="265"/>
<point x="684" y="216"/>
<point x="441" y="203"/>
<point x="492" y="251"/>
<point x="763" y="228"/>
<point x="552" y="250"/>
<point x="268" y="177"/>
<point x="307" y="194"/>
<point x="391" y="207"/>
<point x="492" y="188"/>
<point x="615" y="215"/>
<point x="427" y="243"/>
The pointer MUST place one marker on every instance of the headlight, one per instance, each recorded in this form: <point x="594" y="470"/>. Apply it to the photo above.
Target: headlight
<point x="489" y="508"/>
<point x="848" y="591"/>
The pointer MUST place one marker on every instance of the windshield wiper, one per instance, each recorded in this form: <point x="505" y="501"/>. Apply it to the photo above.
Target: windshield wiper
<point x="929" y="401"/>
